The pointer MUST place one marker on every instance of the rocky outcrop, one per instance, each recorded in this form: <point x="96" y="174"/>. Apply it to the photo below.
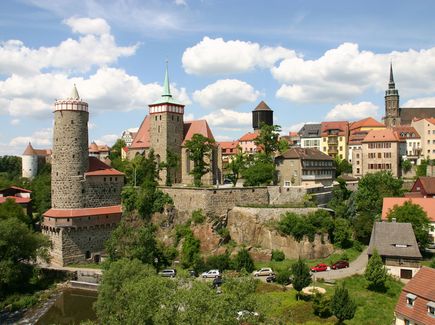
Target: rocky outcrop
<point x="252" y="227"/>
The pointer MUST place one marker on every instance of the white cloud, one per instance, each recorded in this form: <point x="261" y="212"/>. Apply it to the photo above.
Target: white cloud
<point x="109" y="89"/>
<point x="97" y="26"/>
<point x="15" y="121"/>
<point x="346" y="72"/>
<point x="108" y="139"/>
<point x="217" y="56"/>
<point x="39" y="139"/>
<point x="296" y="127"/>
<point x="420" y="102"/>
<point x="228" y="119"/>
<point x="228" y="93"/>
<point x="351" y="111"/>
<point x="180" y="2"/>
<point x="70" y="55"/>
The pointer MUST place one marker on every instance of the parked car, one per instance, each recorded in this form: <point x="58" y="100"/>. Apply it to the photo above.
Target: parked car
<point x="211" y="274"/>
<point x="217" y="282"/>
<point x="271" y="278"/>
<point x="169" y="273"/>
<point x="193" y="273"/>
<point x="340" y="265"/>
<point x="265" y="271"/>
<point x="319" y="268"/>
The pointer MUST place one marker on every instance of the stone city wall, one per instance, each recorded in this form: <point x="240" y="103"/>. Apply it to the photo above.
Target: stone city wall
<point x="103" y="191"/>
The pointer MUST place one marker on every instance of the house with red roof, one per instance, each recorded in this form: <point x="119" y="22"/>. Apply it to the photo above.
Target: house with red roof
<point x="416" y="304"/>
<point x="334" y="138"/>
<point x="165" y="131"/>
<point x="21" y="196"/>
<point x="424" y="186"/>
<point x="99" y="151"/>
<point x="33" y="160"/>
<point x="229" y="150"/>
<point x="358" y="131"/>
<point x="427" y="204"/>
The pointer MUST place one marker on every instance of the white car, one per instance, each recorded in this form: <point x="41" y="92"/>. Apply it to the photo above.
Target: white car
<point x="246" y="314"/>
<point x="265" y="271"/>
<point x="211" y="274"/>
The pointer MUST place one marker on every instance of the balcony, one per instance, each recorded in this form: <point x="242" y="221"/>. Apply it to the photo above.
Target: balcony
<point x="315" y="177"/>
<point x="332" y="150"/>
<point x="333" y="141"/>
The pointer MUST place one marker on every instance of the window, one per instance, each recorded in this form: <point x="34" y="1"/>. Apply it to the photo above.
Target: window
<point x="357" y="170"/>
<point x="357" y="162"/>
<point x="431" y="308"/>
<point x="410" y="299"/>
<point x="287" y="183"/>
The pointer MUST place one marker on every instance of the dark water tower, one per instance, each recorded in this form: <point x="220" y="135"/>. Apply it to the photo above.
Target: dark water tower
<point x="262" y="114"/>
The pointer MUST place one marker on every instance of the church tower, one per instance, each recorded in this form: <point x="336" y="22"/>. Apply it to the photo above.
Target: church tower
<point x="70" y="158"/>
<point x="166" y="129"/>
<point x="392" y="109"/>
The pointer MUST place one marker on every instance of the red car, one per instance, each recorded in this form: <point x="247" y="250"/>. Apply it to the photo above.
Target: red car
<point x="340" y="265"/>
<point x="319" y="268"/>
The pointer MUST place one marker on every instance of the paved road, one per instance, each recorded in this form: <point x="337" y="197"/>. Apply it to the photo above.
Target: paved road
<point x="356" y="267"/>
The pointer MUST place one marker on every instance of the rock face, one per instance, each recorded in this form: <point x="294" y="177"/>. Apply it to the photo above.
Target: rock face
<point x="251" y="227"/>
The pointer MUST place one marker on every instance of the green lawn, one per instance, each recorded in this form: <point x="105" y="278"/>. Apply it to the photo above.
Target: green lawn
<point x="373" y="308"/>
<point x="351" y="253"/>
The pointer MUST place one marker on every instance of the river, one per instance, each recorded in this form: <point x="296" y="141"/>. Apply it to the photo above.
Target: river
<point x="71" y="307"/>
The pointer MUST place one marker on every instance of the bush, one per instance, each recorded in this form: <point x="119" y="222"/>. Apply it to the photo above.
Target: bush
<point x="277" y="255"/>
<point x="243" y="261"/>
<point x="358" y="246"/>
<point x="218" y="262"/>
<point x="322" y="305"/>
<point x="282" y="276"/>
<point x="432" y="263"/>
<point x="344" y="257"/>
<point x="224" y="233"/>
<point x="198" y="217"/>
<point x="190" y="251"/>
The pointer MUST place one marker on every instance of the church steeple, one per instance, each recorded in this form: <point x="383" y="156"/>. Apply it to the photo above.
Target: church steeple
<point x="392" y="109"/>
<point x="391" y="84"/>
<point x="74" y="93"/>
<point x="166" y="87"/>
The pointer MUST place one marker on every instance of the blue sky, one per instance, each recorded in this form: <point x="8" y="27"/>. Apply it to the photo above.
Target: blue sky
<point x="308" y="60"/>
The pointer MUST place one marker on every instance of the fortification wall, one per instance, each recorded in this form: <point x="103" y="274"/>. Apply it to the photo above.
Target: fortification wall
<point x="103" y="191"/>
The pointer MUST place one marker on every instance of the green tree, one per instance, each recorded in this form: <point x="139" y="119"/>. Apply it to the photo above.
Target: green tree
<point x="236" y="166"/>
<point x="268" y="139"/>
<point x="414" y="214"/>
<point x="340" y="197"/>
<point x="243" y="260"/>
<point x="20" y="246"/>
<point x="261" y="171"/>
<point x="10" y="166"/>
<point x="422" y="168"/>
<point x="375" y="273"/>
<point x="170" y="166"/>
<point x="134" y="239"/>
<point x="115" y="151"/>
<point x="342" y="306"/>
<point x="200" y="148"/>
<point x="190" y="250"/>
<point x="301" y="276"/>
<point x="41" y="190"/>
<point x="406" y="165"/>
<point x="367" y="201"/>
<point x="342" y="166"/>
<point x="343" y="233"/>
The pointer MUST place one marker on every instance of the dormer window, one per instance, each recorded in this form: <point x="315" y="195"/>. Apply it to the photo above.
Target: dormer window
<point x="410" y="299"/>
<point x="431" y="308"/>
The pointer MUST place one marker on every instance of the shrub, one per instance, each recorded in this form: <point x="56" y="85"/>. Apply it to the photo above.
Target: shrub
<point x="189" y="251"/>
<point x="375" y="273"/>
<point x="282" y="276"/>
<point x="181" y="231"/>
<point x="322" y="305"/>
<point x="344" y="257"/>
<point x="219" y="262"/>
<point x="243" y="261"/>
<point x="224" y="233"/>
<point x="432" y="263"/>
<point x="358" y="246"/>
<point x="198" y="217"/>
<point x="277" y="255"/>
<point x="343" y="307"/>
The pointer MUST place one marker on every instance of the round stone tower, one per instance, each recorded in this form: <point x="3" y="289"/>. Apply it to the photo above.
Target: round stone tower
<point x="70" y="158"/>
<point x="29" y="162"/>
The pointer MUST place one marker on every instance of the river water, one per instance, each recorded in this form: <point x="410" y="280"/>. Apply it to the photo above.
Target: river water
<point x="71" y="307"/>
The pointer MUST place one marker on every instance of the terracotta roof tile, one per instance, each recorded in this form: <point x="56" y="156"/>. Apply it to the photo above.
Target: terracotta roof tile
<point x="427" y="204"/>
<point x="228" y="144"/>
<point x="142" y="138"/>
<point x="99" y="168"/>
<point x="196" y="127"/>
<point x="16" y="188"/>
<point x="29" y="151"/>
<point x="250" y="136"/>
<point x="77" y="213"/>
<point x="341" y="126"/>
<point x="428" y="184"/>
<point x="421" y="285"/>
<point x="262" y="106"/>
<point x="367" y="122"/>
<point x="406" y="132"/>
<point x="385" y="135"/>
<point x="18" y="200"/>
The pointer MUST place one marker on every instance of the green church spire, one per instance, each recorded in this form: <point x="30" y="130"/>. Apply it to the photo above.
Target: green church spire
<point x="166" y="87"/>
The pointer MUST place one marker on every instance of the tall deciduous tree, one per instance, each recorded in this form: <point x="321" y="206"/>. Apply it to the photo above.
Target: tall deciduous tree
<point x="170" y="165"/>
<point x="200" y="148"/>
<point x="413" y="213"/>
<point x="342" y="306"/>
<point x="268" y="139"/>
<point x="115" y="151"/>
<point x="243" y="261"/>
<point x="301" y="276"/>
<point x="237" y="165"/>
<point x="375" y="273"/>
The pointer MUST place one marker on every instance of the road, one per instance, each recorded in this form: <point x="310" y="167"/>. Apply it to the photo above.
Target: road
<point x="356" y="267"/>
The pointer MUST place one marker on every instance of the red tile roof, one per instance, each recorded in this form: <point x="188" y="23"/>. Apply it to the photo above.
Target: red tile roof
<point x="367" y="122"/>
<point x="341" y="126"/>
<point x="262" y="106"/>
<point x="428" y="184"/>
<point x="293" y="134"/>
<point x="77" y="213"/>
<point x="18" y="189"/>
<point x="385" y="135"/>
<point x="250" y="136"/>
<point x="98" y="168"/>
<point x="228" y="144"/>
<point x="406" y="132"/>
<point x="142" y="138"/>
<point x="196" y="127"/>
<point x="422" y="286"/>
<point x="18" y="200"/>
<point x="30" y="151"/>
<point x="427" y="204"/>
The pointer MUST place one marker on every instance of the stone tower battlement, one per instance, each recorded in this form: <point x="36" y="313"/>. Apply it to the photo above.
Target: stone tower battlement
<point x="70" y="159"/>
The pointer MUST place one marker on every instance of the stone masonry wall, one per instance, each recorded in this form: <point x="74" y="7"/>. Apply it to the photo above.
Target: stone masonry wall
<point x="103" y="191"/>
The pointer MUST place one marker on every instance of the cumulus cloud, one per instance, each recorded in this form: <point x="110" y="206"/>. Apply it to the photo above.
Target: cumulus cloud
<point x="213" y="56"/>
<point x="84" y="25"/>
<point x="420" y="102"/>
<point x="351" y="111"/>
<point x="108" y="139"/>
<point x="98" y="48"/>
<point x="228" y="93"/>
<point x="346" y="72"/>
<point x="228" y="119"/>
<point x="296" y="127"/>
<point x="40" y="138"/>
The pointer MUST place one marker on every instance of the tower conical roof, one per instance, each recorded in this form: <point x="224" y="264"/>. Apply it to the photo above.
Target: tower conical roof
<point x="391" y="84"/>
<point x="166" y="96"/>
<point x="74" y="93"/>
<point x="262" y="107"/>
<point x="29" y="151"/>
